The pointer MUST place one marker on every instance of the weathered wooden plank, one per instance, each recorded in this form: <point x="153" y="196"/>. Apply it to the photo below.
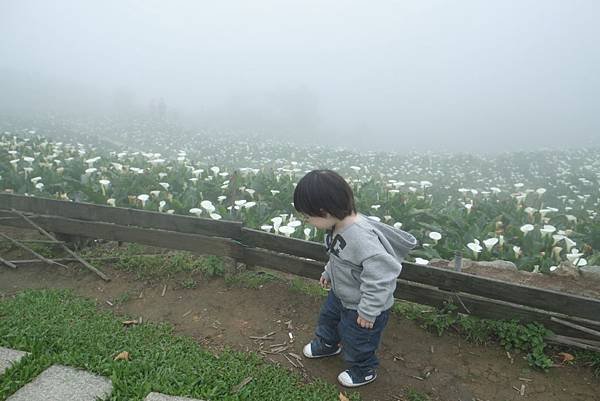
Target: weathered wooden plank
<point x="482" y="307"/>
<point x="285" y="263"/>
<point x="122" y="216"/>
<point x="279" y="243"/>
<point x="550" y="300"/>
<point x="114" y="232"/>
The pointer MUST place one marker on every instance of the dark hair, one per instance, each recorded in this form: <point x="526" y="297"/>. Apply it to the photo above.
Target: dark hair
<point x="324" y="191"/>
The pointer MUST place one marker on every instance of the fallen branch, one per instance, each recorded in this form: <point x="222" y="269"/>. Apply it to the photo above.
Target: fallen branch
<point x="28" y="249"/>
<point x="7" y="263"/>
<point x="265" y="337"/>
<point x="63" y="246"/>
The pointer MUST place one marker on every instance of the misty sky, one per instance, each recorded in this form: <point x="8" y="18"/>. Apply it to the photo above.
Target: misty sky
<point x="397" y="75"/>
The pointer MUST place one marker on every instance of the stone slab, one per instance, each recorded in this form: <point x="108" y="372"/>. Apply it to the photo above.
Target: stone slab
<point x="8" y="357"/>
<point x="63" y="383"/>
<point x="162" y="397"/>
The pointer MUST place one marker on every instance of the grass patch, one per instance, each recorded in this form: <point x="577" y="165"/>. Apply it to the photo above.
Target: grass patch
<point x="511" y="335"/>
<point x="60" y="328"/>
<point x="414" y="395"/>
<point x="313" y="289"/>
<point x="250" y="279"/>
<point x="46" y="250"/>
<point x="169" y="264"/>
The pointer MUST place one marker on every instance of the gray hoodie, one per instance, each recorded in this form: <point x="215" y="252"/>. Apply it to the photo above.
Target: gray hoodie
<point x="365" y="259"/>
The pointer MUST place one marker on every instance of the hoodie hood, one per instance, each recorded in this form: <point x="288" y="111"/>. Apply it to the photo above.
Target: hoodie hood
<point x="396" y="242"/>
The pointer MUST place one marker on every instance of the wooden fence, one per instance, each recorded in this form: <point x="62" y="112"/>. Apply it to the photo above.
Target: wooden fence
<point x="565" y="314"/>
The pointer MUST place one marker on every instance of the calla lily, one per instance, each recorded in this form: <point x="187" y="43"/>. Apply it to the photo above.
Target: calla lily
<point x="266" y="227"/>
<point x="197" y="211"/>
<point x="144" y="198"/>
<point x="569" y="243"/>
<point x="490" y="242"/>
<point x="475" y="247"/>
<point x="287" y="230"/>
<point x="517" y="251"/>
<point x="104" y="185"/>
<point x="421" y="261"/>
<point x="573" y="255"/>
<point x="434" y="235"/>
<point x="215" y="216"/>
<point x="161" y="205"/>
<point x="295" y="223"/>
<point x="547" y="230"/>
<point x="111" y="202"/>
<point x="93" y="160"/>
<point x="527" y="228"/>
<point x="398" y="225"/>
<point x="307" y="232"/>
<point x="207" y="205"/>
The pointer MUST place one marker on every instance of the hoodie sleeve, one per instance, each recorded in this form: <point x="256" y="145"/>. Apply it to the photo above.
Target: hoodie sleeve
<point x="378" y="278"/>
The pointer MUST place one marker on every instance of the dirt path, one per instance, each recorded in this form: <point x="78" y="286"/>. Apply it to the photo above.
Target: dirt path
<point x="217" y="316"/>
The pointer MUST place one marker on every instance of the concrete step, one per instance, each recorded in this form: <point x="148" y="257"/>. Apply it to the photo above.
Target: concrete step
<point x="63" y="383"/>
<point x="162" y="397"/>
<point x="8" y="357"/>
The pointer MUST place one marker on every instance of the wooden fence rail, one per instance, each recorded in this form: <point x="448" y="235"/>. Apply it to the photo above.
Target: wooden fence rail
<point x="475" y="295"/>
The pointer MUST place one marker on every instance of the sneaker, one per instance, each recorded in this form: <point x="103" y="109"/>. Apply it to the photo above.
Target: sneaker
<point x="352" y="378"/>
<point x="317" y="349"/>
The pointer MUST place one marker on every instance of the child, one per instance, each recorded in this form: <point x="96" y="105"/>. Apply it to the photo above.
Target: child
<point x="364" y="262"/>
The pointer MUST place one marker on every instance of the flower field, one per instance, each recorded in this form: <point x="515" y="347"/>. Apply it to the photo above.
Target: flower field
<point x="537" y="209"/>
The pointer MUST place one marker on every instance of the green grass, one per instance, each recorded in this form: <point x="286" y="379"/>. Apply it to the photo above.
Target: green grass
<point x="250" y="279"/>
<point x="169" y="264"/>
<point x="414" y="395"/>
<point x="309" y="288"/>
<point x="60" y="328"/>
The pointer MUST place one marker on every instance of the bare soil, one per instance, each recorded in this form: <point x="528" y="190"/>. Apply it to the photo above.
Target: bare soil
<point x="446" y="368"/>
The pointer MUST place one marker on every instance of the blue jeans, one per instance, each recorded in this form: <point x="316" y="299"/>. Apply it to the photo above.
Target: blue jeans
<point x="338" y="325"/>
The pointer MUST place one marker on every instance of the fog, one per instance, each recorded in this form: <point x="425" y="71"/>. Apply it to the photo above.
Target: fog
<point x="396" y="75"/>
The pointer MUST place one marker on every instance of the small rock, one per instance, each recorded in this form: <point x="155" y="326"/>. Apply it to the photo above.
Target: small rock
<point x="497" y="264"/>
<point x="439" y="263"/>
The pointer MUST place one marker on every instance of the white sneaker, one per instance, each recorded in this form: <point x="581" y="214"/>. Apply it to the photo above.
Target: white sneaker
<point x="346" y="379"/>
<point x="318" y="351"/>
